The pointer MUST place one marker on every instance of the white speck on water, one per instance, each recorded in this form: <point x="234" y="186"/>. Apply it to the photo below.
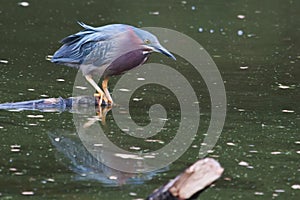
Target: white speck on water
<point x="135" y="148"/>
<point x="132" y="194"/>
<point x="184" y="2"/>
<point x="230" y="144"/>
<point x="259" y="193"/>
<point x="23" y="4"/>
<point x="27" y="193"/>
<point x="298" y="152"/>
<point x="113" y="178"/>
<point x="154" y="13"/>
<point x="200" y="29"/>
<point x="32" y="124"/>
<point x="241" y="110"/>
<point x="283" y="86"/>
<point x="295" y="187"/>
<point x="243" y="163"/>
<point x="128" y="156"/>
<point x="44" y="95"/>
<point x="240" y="32"/>
<point x="211" y="31"/>
<point x="125" y="129"/>
<point x="297" y="142"/>
<point x="241" y="16"/>
<point x="193" y="7"/>
<point x="50" y="180"/>
<point x="253" y="151"/>
<point x="81" y="87"/>
<point x="35" y="116"/>
<point x="244" y="67"/>
<point x="279" y="190"/>
<point x="15" y="146"/>
<point x="13" y="169"/>
<point x="1" y="127"/>
<point x="276" y="152"/>
<point x="15" y="150"/>
<point x="60" y="80"/>
<point x="98" y="145"/>
<point x="288" y="111"/>
<point x="137" y="99"/>
<point x="140" y="79"/>
<point x="124" y="90"/>
<point x="57" y="139"/>
<point x="31" y="89"/>
<point x="4" y="61"/>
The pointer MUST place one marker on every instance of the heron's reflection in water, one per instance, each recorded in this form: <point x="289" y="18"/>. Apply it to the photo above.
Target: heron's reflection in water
<point x="73" y="153"/>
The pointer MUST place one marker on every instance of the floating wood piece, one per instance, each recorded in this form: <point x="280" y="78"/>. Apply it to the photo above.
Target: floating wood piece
<point x="193" y="180"/>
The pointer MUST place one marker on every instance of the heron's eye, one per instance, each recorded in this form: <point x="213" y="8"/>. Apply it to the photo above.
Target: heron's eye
<point x="147" y="41"/>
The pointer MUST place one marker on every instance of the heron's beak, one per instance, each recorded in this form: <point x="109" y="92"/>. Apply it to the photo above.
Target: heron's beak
<point x="165" y="52"/>
<point x="162" y="50"/>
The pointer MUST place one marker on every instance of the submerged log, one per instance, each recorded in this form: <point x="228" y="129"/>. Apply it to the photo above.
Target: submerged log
<point x="191" y="182"/>
<point x="53" y="104"/>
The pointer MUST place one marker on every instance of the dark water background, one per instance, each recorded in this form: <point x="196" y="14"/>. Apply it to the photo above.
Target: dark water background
<point x="255" y="45"/>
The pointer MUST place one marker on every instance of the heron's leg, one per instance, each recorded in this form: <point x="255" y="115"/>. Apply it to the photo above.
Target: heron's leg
<point x="104" y="86"/>
<point x="98" y="89"/>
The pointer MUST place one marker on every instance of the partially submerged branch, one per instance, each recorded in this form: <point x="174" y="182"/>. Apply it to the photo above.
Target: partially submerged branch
<point x="193" y="180"/>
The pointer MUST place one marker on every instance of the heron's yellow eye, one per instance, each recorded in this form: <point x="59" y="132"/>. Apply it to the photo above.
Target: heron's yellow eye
<point x="147" y="41"/>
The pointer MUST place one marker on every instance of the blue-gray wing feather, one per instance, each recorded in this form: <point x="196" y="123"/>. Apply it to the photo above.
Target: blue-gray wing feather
<point x="88" y="46"/>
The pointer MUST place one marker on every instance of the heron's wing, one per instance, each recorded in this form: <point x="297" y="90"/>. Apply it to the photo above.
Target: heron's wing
<point x="85" y="47"/>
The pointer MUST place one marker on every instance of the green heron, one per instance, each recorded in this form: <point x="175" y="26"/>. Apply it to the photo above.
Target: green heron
<point x="108" y="50"/>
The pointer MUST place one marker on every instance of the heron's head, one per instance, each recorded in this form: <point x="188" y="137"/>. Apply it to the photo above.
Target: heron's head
<point x="151" y="42"/>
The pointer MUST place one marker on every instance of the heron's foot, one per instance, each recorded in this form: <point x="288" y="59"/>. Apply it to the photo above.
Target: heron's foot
<point x="101" y="99"/>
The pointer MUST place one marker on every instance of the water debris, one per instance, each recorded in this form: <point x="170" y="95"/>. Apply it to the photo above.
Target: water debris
<point x="81" y="87"/>
<point x="184" y="2"/>
<point x="124" y="90"/>
<point x="288" y="111"/>
<point x="44" y="95"/>
<point x="243" y="163"/>
<point x="35" y="116"/>
<point x="296" y="187"/>
<point x="13" y="169"/>
<point x="241" y="16"/>
<point x="284" y="87"/>
<point x="128" y="156"/>
<point x="259" y="193"/>
<point x="298" y="152"/>
<point x="31" y="89"/>
<point x="154" y="13"/>
<point x="113" y="177"/>
<point x="279" y="190"/>
<point x="297" y="142"/>
<point x="23" y="4"/>
<point x="1" y="127"/>
<point x="15" y="148"/>
<point x="60" y="80"/>
<point x="98" y="145"/>
<point x="241" y="110"/>
<point x="3" y="61"/>
<point x="57" y="139"/>
<point x="132" y="193"/>
<point x="154" y="141"/>
<point x="230" y="144"/>
<point x="140" y="79"/>
<point x="244" y="67"/>
<point x="240" y="32"/>
<point x="27" y="193"/>
<point x="200" y="29"/>
<point x="135" y="148"/>
<point x="276" y="152"/>
<point x="137" y="99"/>
<point x="211" y="31"/>
<point x="193" y="7"/>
